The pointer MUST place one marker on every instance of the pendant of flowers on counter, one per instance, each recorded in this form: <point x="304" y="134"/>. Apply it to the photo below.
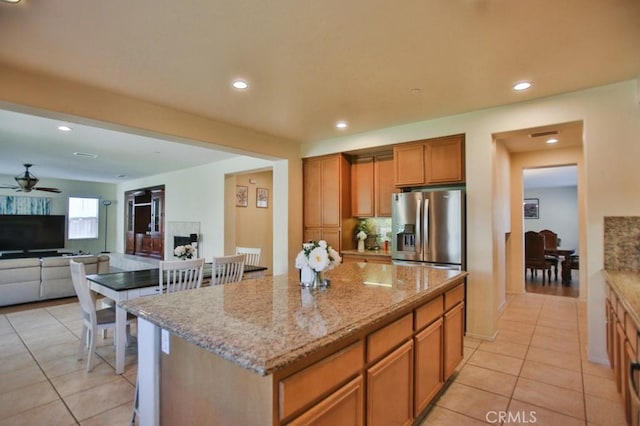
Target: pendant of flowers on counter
<point x="315" y="258"/>
<point x="184" y="252"/>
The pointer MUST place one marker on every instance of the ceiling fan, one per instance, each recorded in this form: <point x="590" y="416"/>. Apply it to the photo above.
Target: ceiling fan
<point x="27" y="183"/>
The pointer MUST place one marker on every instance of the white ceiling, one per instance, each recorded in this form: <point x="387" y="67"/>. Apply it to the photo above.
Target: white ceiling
<point x="550" y="177"/>
<point x="310" y="64"/>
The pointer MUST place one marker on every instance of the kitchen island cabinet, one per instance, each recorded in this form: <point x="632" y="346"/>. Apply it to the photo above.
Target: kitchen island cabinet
<point x="266" y="351"/>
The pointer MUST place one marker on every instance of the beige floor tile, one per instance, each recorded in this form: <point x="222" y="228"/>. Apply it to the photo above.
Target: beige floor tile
<point x="489" y="380"/>
<point x="17" y="379"/>
<point x="558" y="344"/>
<point x="505" y="348"/>
<point x="46" y="354"/>
<point x="470" y="342"/>
<point x="121" y="415"/>
<point x="601" y="387"/>
<point x="570" y="361"/>
<point x="604" y="412"/>
<point x="54" y="339"/>
<point x="471" y="401"/>
<point x="551" y="397"/>
<point x="439" y="416"/>
<point x="12" y="345"/>
<point x="53" y="413"/>
<point x="526" y="414"/>
<point x="65" y="365"/>
<point x="80" y="380"/>
<point x="556" y="332"/>
<point x="520" y="327"/>
<point x="25" y="398"/>
<point x="551" y="375"/>
<point x="553" y="323"/>
<point x="511" y="336"/>
<point x="597" y="369"/>
<point x="16" y="362"/>
<point x="99" y="399"/>
<point x="496" y="362"/>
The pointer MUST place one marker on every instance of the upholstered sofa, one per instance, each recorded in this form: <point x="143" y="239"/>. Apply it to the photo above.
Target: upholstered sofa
<point x="32" y="279"/>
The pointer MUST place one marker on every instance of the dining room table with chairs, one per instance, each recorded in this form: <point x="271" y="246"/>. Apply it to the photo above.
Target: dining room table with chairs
<point x="553" y="253"/>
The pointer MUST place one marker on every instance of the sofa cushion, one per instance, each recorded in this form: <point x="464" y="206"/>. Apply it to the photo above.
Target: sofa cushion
<point x="19" y="281"/>
<point x="56" y="275"/>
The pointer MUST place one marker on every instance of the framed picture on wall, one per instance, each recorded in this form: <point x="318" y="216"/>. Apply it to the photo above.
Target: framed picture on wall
<point x="242" y="196"/>
<point x="262" y="198"/>
<point x="531" y="208"/>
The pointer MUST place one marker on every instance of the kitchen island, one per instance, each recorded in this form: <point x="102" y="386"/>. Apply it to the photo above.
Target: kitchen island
<point x="375" y="347"/>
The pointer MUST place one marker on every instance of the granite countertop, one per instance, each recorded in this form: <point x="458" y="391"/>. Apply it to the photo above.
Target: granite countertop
<point x="265" y="324"/>
<point x="381" y="253"/>
<point x="627" y="286"/>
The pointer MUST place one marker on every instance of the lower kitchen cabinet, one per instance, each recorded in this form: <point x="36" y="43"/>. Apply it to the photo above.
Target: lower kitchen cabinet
<point x="453" y="339"/>
<point x="428" y="365"/>
<point x="343" y="407"/>
<point x="390" y="388"/>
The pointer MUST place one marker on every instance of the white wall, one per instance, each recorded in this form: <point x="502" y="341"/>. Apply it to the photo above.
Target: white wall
<point x="611" y="116"/>
<point x="59" y="206"/>
<point x="558" y="211"/>
<point x="198" y="194"/>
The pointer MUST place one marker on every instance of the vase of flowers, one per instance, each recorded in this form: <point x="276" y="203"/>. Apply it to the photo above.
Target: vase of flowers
<point x="184" y="252"/>
<point x="315" y="258"/>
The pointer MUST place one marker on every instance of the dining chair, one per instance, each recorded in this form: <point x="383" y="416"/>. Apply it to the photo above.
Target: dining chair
<point x="251" y="255"/>
<point x="227" y="269"/>
<point x="178" y="275"/>
<point x="534" y="257"/>
<point x="92" y="320"/>
<point x="550" y="245"/>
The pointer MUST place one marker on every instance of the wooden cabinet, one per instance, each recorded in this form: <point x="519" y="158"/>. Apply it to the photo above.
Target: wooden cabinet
<point x="453" y="329"/>
<point x="348" y="257"/>
<point x="144" y="227"/>
<point x="390" y="388"/>
<point x="327" y="200"/>
<point x="429" y="377"/>
<point x="372" y="186"/>
<point x="343" y="407"/>
<point x="429" y="162"/>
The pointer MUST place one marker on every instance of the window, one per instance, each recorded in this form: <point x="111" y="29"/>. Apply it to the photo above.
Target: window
<point x="83" y="217"/>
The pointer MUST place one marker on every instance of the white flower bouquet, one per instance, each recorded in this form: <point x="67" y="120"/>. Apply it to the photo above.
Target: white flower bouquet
<point x="318" y="255"/>
<point x="184" y="252"/>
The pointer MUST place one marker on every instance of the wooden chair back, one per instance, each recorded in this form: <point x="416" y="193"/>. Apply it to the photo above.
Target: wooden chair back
<point x="534" y="250"/>
<point x="550" y="239"/>
<point x="227" y="269"/>
<point x="87" y="302"/>
<point x="178" y="275"/>
<point x="251" y="255"/>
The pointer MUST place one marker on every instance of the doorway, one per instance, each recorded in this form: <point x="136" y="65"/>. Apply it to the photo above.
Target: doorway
<point x="550" y="203"/>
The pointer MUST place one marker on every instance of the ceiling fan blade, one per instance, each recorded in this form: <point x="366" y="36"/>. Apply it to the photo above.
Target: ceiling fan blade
<point x="10" y="186"/>
<point x="56" y="190"/>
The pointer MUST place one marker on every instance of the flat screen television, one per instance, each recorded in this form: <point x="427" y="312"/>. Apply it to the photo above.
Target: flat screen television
<point x="32" y="232"/>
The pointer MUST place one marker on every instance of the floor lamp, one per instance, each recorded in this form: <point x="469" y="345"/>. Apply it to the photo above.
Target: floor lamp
<point x="106" y="204"/>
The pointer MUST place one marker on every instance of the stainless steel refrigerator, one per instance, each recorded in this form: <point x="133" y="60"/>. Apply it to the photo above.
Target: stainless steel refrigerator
<point x="429" y="227"/>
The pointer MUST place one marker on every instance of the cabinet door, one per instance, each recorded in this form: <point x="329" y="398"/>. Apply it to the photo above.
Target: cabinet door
<point x="332" y="237"/>
<point x="408" y="164"/>
<point x="390" y="388"/>
<point x="314" y="234"/>
<point x="343" y="407"/>
<point x="428" y="365"/>
<point x="610" y="317"/>
<point x="453" y="339"/>
<point x="620" y="371"/>
<point x="630" y="409"/>
<point x="362" y="186"/>
<point x="331" y="190"/>
<point x="312" y="194"/>
<point x="444" y="161"/>
<point x="383" y="184"/>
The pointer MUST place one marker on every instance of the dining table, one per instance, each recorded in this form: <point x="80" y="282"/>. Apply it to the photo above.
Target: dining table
<point x="565" y="253"/>
<point x="125" y="285"/>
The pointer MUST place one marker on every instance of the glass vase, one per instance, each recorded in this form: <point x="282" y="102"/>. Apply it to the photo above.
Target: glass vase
<point x="310" y="277"/>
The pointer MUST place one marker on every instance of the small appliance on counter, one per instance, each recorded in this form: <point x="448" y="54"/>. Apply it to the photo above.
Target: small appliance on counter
<point x="428" y="227"/>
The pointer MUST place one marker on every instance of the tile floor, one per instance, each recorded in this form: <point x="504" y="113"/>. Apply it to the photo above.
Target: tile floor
<point x="536" y="372"/>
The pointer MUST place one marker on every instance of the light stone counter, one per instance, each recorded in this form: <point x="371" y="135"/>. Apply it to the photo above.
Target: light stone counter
<point x="627" y="285"/>
<point x="268" y="323"/>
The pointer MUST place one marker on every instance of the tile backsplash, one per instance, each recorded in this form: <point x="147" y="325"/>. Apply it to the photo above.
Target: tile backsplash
<point x="622" y="243"/>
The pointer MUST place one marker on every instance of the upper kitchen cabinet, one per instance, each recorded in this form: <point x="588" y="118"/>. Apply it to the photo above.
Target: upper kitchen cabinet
<point x="372" y="186"/>
<point x="327" y="199"/>
<point x="429" y="162"/>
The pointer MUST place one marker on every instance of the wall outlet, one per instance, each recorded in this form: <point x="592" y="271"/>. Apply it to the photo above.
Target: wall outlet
<point x="164" y="341"/>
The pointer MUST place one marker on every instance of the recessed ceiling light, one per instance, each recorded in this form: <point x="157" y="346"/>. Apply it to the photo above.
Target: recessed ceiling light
<point x="64" y="128"/>
<point x="552" y="140"/>
<point x="240" y="84"/>
<point x="416" y="90"/>
<point x="341" y="124"/>
<point x="11" y="1"/>
<point x="85" y="154"/>
<point x="523" y="85"/>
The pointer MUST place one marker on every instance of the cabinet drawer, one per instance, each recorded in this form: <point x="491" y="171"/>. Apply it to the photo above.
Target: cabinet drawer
<point x="307" y="385"/>
<point x="385" y="339"/>
<point x="453" y="297"/>
<point x="429" y="312"/>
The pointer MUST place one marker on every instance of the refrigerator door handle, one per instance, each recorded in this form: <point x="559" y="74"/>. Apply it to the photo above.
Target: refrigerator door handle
<point x="425" y="230"/>
<point x="418" y="233"/>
